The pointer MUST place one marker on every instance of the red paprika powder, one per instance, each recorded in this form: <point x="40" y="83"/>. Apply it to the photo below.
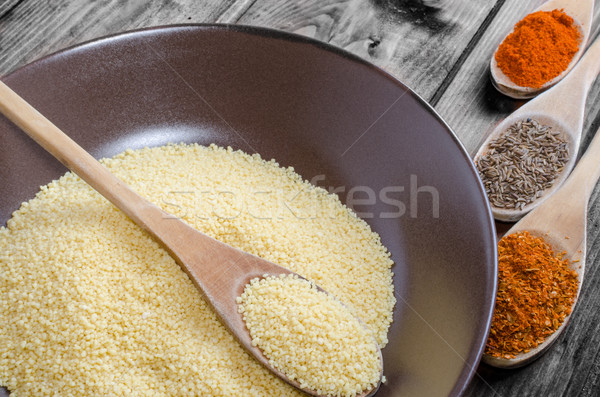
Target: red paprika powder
<point x="540" y="48"/>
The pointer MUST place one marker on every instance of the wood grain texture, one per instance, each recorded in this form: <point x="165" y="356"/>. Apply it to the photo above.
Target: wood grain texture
<point x="7" y="6"/>
<point x="34" y="28"/>
<point x="235" y="11"/>
<point x="416" y="41"/>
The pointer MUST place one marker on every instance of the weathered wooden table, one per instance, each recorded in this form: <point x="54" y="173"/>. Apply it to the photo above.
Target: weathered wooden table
<point x="439" y="48"/>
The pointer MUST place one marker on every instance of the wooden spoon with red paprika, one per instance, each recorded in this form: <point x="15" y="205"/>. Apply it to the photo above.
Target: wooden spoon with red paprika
<point x="542" y="48"/>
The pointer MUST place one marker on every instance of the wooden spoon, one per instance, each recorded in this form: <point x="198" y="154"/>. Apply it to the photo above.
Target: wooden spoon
<point x="561" y="222"/>
<point x="581" y="11"/>
<point x="218" y="270"/>
<point x="561" y="108"/>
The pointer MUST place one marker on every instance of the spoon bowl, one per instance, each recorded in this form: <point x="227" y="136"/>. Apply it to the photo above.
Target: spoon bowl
<point x="581" y="11"/>
<point x="561" y="108"/>
<point x="219" y="271"/>
<point x="561" y="222"/>
<point x="575" y="253"/>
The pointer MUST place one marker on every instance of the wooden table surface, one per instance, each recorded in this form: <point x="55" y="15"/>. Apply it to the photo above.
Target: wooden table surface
<point x="439" y="48"/>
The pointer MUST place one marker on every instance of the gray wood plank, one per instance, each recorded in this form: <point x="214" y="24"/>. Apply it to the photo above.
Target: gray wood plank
<point x="35" y="28"/>
<point x="8" y="6"/>
<point x="417" y="41"/>
<point x="235" y="11"/>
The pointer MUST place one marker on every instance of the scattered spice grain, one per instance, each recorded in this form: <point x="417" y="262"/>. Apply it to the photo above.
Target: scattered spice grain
<point x="536" y="292"/>
<point x="310" y="336"/>
<point x="522" y="163"/>
<point x="540" y="48"/>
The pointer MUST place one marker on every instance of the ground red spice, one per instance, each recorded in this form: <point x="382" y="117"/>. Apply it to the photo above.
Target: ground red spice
<point x="536" y="292"/>
<point x="540" y="48"/>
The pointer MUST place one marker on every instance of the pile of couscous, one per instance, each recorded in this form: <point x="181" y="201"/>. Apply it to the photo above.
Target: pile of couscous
<point x="310" y="336"/>
<point x="90" y="305"/>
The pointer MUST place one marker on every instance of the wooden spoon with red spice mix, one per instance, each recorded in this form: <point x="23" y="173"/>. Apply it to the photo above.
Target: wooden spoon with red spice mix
<point x="542" y="48"/>
<point x="528" y="273"/>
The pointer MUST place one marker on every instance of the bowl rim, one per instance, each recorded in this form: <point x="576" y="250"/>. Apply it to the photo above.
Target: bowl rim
<point x="469" y="370"/>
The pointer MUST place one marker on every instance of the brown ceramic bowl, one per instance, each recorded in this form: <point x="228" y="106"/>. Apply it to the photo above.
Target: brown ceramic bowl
<point x="323" y="111"/>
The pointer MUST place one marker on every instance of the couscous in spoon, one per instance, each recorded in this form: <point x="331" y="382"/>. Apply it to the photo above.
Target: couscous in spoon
<point x="219" y="271"/>
<point x="581" y="11"/>
<point x="561" y="108"/>
<point x="561" y="222"/>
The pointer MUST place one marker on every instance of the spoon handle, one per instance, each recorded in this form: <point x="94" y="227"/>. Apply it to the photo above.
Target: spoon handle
<point x="580" y="10"/>
<point x="174" y="235"/>
<point x="207" y="261"/>
<point x="587" y="172"/>
<point x="74" y="157"/>
<point x="219" y="271"/>
<point x="589" y="65"/>
<point x="567" y="99"/>
<point x="584" y="73"/>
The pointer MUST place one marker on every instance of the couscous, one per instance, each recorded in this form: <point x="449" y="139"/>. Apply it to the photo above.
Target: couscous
<point x="90" y="305"/>
<point x="310" y="336"/>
